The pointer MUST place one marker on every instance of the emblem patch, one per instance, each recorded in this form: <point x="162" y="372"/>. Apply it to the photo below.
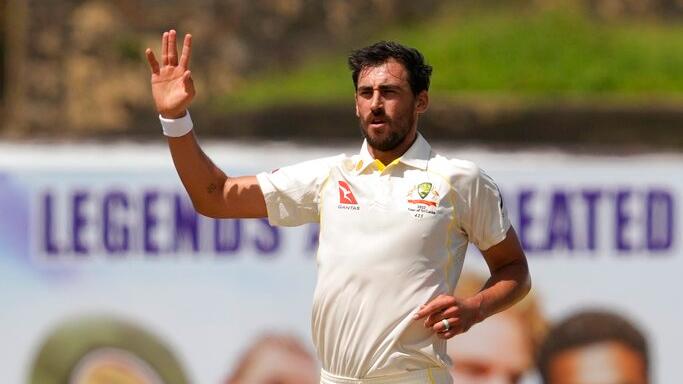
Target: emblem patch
<point x="424" y="189"/>
<point x="426" y="201"/>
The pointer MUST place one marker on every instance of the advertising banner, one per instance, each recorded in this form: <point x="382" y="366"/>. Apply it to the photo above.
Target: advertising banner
<point x="108" y="272"/>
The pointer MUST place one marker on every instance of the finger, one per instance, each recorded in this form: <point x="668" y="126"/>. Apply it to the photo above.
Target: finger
<point x="454" y="325"/>
<point x="187" y="50"/>
<point x="438" y="316"/>
<point x="440" y="303"/>
<point x="427" y="309"/>
<point x="172" y="48"/>
<point x="187" y="81"/>
<point x="164" y="49"/>
<point x="447" y="335"/>
<point x="153" y="63"/>
<point x="432" y="318"/>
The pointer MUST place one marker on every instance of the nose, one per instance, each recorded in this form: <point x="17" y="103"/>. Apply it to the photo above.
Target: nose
<point x="377" y="103"/>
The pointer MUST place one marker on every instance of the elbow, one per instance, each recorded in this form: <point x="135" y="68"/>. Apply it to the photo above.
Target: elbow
<point x="213" y="209"/>
<point x="204" y="209"/>
<point x="520" y="275"/>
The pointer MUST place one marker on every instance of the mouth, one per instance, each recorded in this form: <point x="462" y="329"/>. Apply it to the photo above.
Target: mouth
<point x="378" y="122"/>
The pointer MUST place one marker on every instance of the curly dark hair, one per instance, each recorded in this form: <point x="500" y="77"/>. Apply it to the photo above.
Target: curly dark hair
<point x="587" y="328"/>
<point x="378" y="53"/>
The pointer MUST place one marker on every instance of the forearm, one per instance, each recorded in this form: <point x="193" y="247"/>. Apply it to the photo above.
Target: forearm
<point x="202" y="179"/>
<point x="507" y="285"/>
<point x="173" y="90"/>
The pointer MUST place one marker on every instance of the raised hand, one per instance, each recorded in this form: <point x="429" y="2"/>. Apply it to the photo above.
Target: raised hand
<point x="172" y="85"/>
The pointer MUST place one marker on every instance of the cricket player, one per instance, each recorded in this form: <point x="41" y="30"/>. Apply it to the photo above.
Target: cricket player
<point x="395" y="221"/>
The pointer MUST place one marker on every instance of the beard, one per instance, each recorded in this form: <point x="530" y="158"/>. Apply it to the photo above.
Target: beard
<point x="395" y="132"/>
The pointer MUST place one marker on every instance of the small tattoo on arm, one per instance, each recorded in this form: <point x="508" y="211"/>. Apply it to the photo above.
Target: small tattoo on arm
<point x="211" y="188"/>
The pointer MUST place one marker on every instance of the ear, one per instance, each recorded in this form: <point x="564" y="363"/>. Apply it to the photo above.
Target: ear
<point x="422" y="102"/>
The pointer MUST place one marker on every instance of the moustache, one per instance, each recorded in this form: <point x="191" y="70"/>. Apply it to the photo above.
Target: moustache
<point x="377" y="116"/>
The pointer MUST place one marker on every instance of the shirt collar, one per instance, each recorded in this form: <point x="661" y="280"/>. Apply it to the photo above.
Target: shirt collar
<point x="416" y="156"/>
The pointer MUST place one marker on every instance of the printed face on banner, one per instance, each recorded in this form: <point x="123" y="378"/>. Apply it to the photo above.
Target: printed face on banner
<point x="605" y="363"/>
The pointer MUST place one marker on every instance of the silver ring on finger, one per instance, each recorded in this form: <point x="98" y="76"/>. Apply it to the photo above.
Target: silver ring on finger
<point x="446" y="325"/>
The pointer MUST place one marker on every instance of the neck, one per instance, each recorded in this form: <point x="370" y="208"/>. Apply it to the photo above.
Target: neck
<point x="386" y="157"/>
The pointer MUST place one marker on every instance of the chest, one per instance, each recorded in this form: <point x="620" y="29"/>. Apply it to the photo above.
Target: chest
<point x="408" y="200"/>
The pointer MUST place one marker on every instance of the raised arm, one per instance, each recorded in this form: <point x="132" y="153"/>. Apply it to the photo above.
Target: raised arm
<point x="212" y="192"/>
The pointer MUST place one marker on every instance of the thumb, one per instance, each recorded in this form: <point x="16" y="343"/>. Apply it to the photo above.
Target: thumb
<point x="187" y="79"/>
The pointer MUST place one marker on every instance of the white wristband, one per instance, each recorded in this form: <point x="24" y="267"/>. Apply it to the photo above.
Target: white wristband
<point x="176" y="127"/>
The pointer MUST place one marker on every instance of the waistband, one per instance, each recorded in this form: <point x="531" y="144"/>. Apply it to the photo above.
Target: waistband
<point x="424" y="376"/>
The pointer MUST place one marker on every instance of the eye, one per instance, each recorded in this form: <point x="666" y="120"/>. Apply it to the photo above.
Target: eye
<point x="365" y="93"/>
<point x="391" y="92"/>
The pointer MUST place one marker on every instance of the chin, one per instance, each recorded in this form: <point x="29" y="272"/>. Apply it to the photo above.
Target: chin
<point x="382" y="139"/>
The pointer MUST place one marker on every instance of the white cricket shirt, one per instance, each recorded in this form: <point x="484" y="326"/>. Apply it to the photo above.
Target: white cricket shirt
<point x="391" y="239"/>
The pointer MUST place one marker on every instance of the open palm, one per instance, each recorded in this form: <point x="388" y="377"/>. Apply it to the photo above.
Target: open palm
<point x="172" y="85"/>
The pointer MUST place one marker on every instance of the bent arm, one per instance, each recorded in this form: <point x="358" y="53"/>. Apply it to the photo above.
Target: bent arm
<point x="212" y="192"/>
<point x="510" y="280"/>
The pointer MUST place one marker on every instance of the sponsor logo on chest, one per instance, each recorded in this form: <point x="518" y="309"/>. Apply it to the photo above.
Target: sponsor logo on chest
<point x="346" y="198"/>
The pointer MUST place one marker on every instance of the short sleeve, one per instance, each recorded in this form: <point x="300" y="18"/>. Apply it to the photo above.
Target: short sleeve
<point x="482" y="212"/>
<point x="292" y="193"/>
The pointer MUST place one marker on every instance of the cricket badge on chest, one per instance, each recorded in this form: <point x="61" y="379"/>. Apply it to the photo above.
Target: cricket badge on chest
<point x="422" y="200"/>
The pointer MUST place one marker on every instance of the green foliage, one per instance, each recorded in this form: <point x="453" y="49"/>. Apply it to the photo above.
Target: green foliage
<point x="128" y="47"/>
<point x="521" y="53"/>
<point x="320" y="80"/>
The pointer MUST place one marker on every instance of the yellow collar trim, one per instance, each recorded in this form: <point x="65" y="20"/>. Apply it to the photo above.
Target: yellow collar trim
<point x="381" y="167"/>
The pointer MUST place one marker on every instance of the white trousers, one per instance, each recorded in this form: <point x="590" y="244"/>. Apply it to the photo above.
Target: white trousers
<point x="425" y="376"/>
